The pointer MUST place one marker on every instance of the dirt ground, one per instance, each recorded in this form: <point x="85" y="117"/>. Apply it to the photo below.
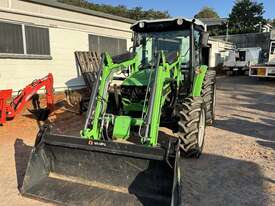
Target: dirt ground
<point x="237" y="167"/>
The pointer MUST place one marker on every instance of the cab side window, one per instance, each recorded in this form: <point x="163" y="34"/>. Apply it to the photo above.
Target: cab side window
<point x="197" y="48"/>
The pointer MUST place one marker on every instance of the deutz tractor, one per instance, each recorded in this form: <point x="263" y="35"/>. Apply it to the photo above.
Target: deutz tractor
<point x="122" y="156"/>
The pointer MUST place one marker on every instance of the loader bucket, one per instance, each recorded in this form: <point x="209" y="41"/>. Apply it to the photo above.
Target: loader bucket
<point x="78" y="172"/>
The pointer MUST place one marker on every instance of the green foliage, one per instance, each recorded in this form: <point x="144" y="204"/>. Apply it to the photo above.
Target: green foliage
<point x="136" y="13"/>
<point x="245" y="15"/>
<point x="271" y="22"/>
<point x="217" y="30"/>
<point x="207" y="12"/>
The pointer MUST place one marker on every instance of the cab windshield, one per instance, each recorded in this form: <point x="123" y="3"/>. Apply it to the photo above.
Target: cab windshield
<point x="150" y="44"/>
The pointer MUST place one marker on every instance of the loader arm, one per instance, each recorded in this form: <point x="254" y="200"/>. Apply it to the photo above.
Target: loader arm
<point x="165" y="73"/>
<point x="109" y="68"/>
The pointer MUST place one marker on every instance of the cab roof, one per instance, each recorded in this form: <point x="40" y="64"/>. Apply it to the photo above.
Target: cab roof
<point x="167" y="24"/>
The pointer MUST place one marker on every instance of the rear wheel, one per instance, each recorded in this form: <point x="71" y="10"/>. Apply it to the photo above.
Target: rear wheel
<point x="209" y="95"/>
<point x="192" y="122"/>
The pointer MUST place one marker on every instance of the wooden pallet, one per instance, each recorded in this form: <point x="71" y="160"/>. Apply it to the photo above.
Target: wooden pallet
<point x="88" y="63"/>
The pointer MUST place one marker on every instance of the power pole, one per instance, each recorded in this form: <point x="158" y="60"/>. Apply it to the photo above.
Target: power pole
<point x="226" y="38"/>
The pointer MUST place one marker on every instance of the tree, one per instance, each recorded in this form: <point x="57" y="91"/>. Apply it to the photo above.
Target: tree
<point x="207" y="12"/>
<point x="245" y="16"/>
<point x="136" y="13"/>
<point x="271" y="22"/>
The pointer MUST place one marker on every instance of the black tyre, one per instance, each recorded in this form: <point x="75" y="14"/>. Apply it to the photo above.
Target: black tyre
<point x="192" y="122"/>
<point x="209" y="96"/>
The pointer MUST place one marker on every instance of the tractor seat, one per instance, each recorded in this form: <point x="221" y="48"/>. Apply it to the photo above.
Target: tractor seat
<point x="123" y="57"/>
<point x="171" y="57"/>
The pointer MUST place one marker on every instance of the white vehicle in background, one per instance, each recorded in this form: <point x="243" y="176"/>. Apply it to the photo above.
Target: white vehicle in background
<point x="266" y="69"/>
<point x="239" y="60"/>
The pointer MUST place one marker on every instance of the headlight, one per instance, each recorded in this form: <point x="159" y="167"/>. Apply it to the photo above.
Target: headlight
<point x="180" y="21"/>
<point x="141" y="25"/>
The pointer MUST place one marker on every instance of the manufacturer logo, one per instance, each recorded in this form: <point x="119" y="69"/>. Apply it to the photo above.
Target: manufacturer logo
<point x="91" y="142"/>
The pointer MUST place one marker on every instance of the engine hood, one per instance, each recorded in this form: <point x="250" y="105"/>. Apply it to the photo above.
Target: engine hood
<point x="140" y="78"/>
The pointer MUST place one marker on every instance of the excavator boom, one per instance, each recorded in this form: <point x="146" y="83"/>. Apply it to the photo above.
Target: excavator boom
<point x="9" y="111"/>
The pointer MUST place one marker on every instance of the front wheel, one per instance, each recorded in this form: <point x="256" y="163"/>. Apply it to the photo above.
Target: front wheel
<point x="192" y="123"/>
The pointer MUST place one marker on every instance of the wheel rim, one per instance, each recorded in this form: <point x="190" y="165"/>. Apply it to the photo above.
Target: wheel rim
<point x="201" y="128"/>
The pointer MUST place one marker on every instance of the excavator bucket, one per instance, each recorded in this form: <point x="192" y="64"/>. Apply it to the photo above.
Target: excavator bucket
<point x="72" y="171"/>
<point x="41" y="114"/>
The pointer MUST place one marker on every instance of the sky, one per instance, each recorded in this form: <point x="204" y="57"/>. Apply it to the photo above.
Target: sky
<point x="188" y="8"/>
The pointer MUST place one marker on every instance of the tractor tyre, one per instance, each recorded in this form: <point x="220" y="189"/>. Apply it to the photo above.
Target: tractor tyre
<point x="191" y="126"/>
<point x="209" y="96"/>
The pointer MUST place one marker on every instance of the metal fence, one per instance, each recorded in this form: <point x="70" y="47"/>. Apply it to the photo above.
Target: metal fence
<point x="249" y="40"/>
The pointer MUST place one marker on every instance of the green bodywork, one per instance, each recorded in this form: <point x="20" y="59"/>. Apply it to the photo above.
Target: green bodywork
<point x="109" y="68"/>
<point x="122" y="127"/>
<point x="198" y="80"/>
<point x="162" y="77"/>
<point x="139" y="78"/>
<point x="155" y="79"/>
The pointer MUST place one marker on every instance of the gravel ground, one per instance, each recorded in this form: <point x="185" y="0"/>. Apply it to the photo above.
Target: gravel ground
<point x="238" y="164"/>
<point x="237" y="167"/>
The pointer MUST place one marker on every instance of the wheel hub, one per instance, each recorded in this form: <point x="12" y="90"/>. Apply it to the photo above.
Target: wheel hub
<point x="201" y="128"/>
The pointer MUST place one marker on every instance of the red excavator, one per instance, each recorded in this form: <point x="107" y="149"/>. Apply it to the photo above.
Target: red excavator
<point x="10" y="110"/>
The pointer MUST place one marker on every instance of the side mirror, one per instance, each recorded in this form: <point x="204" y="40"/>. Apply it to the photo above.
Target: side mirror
<point x="204" y="39"/>
<point x="137" y="40"/>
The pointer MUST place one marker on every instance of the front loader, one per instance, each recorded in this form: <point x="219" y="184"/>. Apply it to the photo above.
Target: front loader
<point x="122" y="156"/>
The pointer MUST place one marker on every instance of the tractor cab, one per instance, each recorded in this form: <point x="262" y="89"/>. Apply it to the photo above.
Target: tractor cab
<point x="180" y="36"/>
<point x="177" y="39"/>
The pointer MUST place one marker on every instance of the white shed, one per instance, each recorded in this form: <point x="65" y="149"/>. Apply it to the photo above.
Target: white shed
<point x="219" y="51"/>
<point x="41" y="36"/>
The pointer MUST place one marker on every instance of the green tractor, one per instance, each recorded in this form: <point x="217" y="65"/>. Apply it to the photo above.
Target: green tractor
<point x="120" y="157"/>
